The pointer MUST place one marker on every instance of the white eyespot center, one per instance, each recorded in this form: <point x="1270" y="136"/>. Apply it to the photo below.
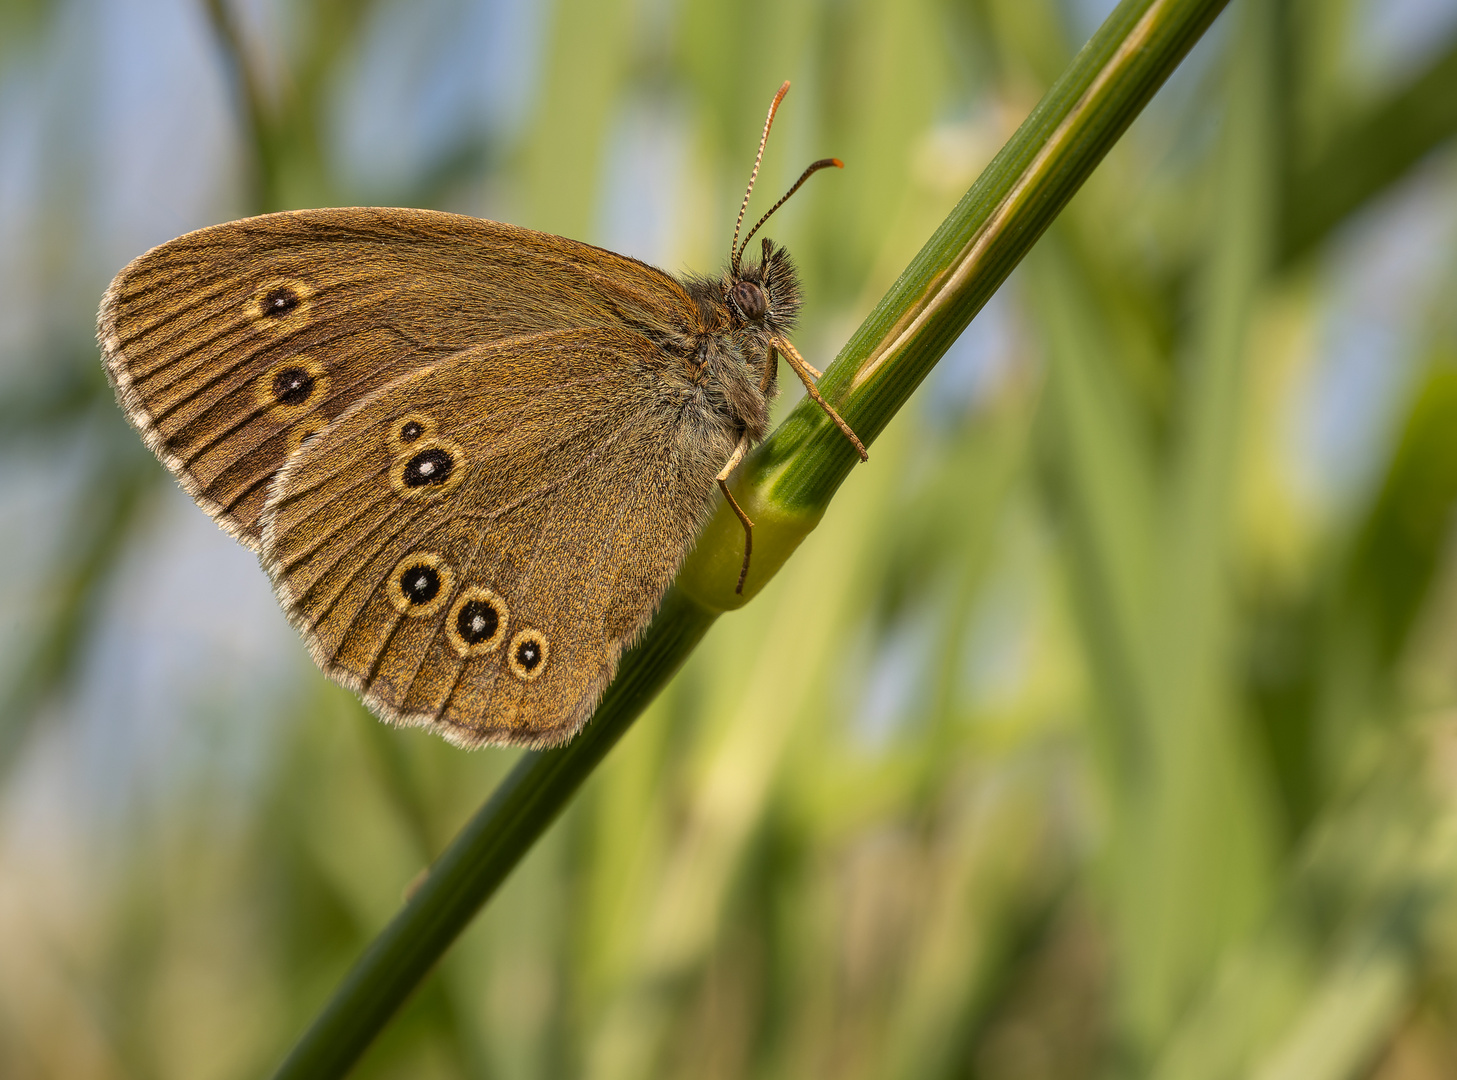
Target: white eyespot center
<point x="528" y="654"/>
<point x="420" y="584"/>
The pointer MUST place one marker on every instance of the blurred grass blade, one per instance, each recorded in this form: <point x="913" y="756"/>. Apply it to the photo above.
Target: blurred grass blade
<point x="1399" y="549"/>
<point x="103" y="516"/>
<point x="281" y="117"/>
<point x="1348" y="1020"/>
<point x="1376" y="151"/>
<point x="71" y="389"/>
<point x="1197" y="850"/>
<point x="564" y="156"/>
<point x="1106" y="488"/>
<point x="1360" y="927"/>
<point x="1148" y="540"/>
<point x="787" y="486"/>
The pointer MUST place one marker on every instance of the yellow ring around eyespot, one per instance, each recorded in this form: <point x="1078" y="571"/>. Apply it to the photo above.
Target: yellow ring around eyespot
<point x="417" y="450"/>
<point x="298" y="291"/>
<point x="266" y="395"/>
<point x="521" y="671"/>
<point x="452" y="629"/>
<point x="427" y="431"/>
<point x="396" y="592"/>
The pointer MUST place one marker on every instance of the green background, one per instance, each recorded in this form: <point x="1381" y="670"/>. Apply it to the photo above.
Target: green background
<point x="1104" y="727"/>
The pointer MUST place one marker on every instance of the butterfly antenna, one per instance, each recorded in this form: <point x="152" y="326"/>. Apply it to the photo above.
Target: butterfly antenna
<point x="743" y="206"/>
<point x="822" y="163"/>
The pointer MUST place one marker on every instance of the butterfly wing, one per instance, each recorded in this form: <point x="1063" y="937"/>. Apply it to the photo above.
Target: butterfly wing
<point x="229" y="346"/>
<point x="473" y="546"/>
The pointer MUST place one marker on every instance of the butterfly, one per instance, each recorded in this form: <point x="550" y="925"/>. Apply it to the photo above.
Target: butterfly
<point x="470" y="456"/>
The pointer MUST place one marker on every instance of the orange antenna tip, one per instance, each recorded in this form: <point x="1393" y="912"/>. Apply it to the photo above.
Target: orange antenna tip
<point x="822" y="163"/>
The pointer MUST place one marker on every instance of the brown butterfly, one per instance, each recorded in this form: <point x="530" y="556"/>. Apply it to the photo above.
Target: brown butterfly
<point x="471" y="456"/>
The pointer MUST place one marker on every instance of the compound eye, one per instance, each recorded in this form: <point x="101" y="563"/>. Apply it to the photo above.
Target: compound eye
<point x="750" y="299"/>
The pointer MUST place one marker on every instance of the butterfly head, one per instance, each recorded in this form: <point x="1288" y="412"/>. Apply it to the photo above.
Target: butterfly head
<point x="765" y="293"/>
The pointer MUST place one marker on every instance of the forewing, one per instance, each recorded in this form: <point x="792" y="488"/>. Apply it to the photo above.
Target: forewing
<point x="473" y="546"/>
<point x="229" y="346"/>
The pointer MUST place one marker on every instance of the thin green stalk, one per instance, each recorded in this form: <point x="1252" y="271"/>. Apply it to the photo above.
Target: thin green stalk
<point x="786" y="487"/>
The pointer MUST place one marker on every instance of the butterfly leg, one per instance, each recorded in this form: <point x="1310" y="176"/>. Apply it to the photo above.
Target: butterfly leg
<point x="770" y="368"/>
<point x="804" y="371"/>
<point x="723" y="475"/>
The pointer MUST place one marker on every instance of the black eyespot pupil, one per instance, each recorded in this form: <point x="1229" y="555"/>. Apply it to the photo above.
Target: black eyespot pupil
<point x="292" y="386"/>
<point x="420" y="584"/>
<point x="411" y="431"/>
<point x="432" y="466"/>
<point x="280" y="302"/>
<point x="477" y="621"/>
<point x="528" y="655"/>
